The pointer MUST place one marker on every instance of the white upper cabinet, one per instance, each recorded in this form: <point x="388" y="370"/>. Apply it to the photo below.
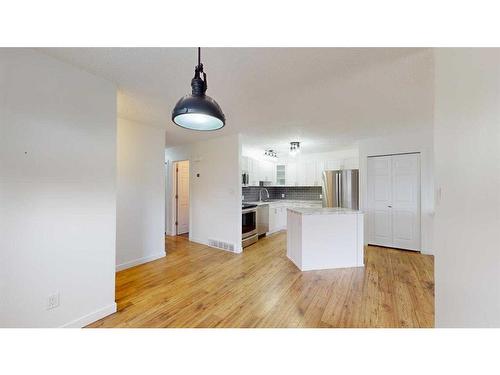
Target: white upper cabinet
<point x="281" y="174"/>
<point x="333" y="165"/>
<point x="351" y="163"/>
<point x="307" y="171"/>
<point x="319" y="168"/>
<point x="291" y="175"/>
<point x="253" y="172"/>
<point x="244" y="164"/>
<point x="267" y="171"/>
<point x="258" y="170"/>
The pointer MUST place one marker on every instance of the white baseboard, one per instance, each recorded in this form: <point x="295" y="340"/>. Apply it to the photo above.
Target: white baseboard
<point x="92" y="317"/>
<point x="197" y="240"/>
<point x="136" y="262"/>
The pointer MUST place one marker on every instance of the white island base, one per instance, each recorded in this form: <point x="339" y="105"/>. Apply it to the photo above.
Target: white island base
<point x="324" y="238"/>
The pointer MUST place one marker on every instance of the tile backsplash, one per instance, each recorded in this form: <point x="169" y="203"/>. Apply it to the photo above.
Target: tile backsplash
<point x="251" y="193"/>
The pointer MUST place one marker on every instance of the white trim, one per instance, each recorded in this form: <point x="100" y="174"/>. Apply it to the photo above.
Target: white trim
<point x="198" y="241"/>
<point x="136" y="262"/>
<point x="92" y="317"/>
<point x="171" y="230"/>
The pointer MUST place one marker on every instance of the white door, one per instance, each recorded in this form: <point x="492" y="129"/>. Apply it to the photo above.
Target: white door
<point x="182" y="197"/>
<point x="406" y="201"/>
<point x="394" y="201"/>
<point x="380" y="200"/>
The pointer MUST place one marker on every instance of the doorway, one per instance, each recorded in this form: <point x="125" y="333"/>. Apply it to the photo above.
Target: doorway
<point x="181" y="197"/>
<point x="394" y="201"/>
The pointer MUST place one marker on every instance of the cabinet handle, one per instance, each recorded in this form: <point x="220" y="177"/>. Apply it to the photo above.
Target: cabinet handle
<point x="389" y="206"/>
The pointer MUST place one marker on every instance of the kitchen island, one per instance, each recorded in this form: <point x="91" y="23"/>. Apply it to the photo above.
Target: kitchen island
<point x="324" y="238"/>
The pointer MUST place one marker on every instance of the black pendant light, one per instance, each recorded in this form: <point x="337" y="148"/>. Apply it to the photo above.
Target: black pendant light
<point x="198" y="111"/>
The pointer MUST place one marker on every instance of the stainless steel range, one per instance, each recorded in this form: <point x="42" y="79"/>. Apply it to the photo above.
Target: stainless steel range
<point x="248" y="224"/>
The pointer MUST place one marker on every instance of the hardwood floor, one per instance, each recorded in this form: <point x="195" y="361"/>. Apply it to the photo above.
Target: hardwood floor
<point x="198" y="286"/>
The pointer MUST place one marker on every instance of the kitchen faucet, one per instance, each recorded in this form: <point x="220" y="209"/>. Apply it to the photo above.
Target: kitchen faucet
<point x="260" y="194"/>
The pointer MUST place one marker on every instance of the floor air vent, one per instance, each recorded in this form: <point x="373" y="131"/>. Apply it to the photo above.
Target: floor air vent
<point x="221" y="245"/>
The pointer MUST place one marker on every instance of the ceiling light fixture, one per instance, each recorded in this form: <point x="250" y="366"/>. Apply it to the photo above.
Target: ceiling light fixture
<point x="198" y="111"/>
<point x="271" y="153"/>
<point x="294" y="148"/>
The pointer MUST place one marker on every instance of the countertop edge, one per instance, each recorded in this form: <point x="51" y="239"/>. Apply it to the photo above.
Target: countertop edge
<point x="323" y="211"/>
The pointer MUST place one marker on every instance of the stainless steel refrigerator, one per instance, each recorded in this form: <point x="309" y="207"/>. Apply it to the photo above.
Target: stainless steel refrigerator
<point x="341" y="188"/>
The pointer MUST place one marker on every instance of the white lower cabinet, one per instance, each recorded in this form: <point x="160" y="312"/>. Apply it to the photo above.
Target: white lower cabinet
<point x="273" y="213"/>
<point x="278" y="213"/>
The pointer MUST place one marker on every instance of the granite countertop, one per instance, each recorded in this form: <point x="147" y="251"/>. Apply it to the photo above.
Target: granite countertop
<point x="325" y="211"/>
<point x="258" y="203"/>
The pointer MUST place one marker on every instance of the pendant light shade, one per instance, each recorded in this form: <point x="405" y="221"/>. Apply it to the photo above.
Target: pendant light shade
<point x="198" y="111"/>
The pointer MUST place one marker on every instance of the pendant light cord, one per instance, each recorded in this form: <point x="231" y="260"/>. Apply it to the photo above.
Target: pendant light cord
<point x="198" y="84"/>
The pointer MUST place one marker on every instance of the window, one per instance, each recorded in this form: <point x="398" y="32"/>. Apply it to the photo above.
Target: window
<point x="280" y="174"/>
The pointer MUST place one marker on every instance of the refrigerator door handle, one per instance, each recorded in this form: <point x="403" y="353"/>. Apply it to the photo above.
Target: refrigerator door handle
<point x="340" y="189"/>
<point x="337" y="188"/>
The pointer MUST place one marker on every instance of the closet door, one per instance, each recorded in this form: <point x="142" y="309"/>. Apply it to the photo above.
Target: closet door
<point x="380" y="200"/>
<point x="394" y="201"/>
<point x="406" y="201"/>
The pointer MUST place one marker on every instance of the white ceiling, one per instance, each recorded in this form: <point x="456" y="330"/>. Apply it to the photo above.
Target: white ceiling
<point x="327" y="98"/>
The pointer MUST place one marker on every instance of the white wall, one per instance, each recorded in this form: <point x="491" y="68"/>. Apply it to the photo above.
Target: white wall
<point x="57" y="192"/>
<point x="467" y="163"/>
<point x="402" y="143"/>
<point x="140" y="223"/>
<point x="215" y="196"/>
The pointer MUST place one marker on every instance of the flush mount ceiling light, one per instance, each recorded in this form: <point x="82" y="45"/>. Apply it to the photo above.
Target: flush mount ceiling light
<point x="198" y="111"/>
<point x="294" y="148"/>
<point x="271" y="153"/>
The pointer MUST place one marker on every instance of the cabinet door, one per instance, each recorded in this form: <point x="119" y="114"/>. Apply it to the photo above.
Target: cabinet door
<point x="266" y="171"/>
<point x="244" y="164"/>
<point x="301" y="174"/>
<point x="283" y="217"/>
<point x="319" y="168"/>
<point x="351" y="163"/>
<point x="272" y="218"/>
<point x="310" y="173"/>
<point x="254" y="172"/>
<point x="332" y="165"/>
<point x="272" y="173"/>
<point x="291" y="174"/>
<point x="281" y="175"/>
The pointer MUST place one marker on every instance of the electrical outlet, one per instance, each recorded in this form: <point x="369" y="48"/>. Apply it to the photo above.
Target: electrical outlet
<point x="53" y="301"/>
<point x="282" y="195"/>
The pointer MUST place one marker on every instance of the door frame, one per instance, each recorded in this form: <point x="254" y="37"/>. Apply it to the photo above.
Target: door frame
<point x="172" y="199"/>
<point x="419" y="153"/>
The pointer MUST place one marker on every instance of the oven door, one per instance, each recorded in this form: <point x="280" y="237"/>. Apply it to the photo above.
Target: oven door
<point x="248" y="222"/>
